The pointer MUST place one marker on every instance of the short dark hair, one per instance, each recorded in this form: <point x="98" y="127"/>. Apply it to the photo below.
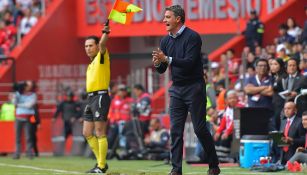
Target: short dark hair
<point x="253" y="11"/>
<point x="304" y="113"/>
<point x="262" y="60"/>
<point x="93" y="37"/>
<point x="283" y="27"/>
<point x="178" y="11"/>
<point x="295" y="60"/>
<point x="139" y="87"/>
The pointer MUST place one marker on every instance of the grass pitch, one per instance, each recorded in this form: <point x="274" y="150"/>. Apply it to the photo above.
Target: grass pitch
<point x="78" y="165"/>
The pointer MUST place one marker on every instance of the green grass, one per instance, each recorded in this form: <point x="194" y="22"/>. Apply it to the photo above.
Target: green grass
<point x="78" y="165"/>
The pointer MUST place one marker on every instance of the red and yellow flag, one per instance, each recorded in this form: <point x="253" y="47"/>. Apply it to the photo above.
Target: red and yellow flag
<point x="122" y="12"/>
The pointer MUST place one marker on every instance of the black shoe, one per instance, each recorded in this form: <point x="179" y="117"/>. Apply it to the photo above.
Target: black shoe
<point x="174" y="173"/>
<point x="89" y="171"/>
<point x="95" y="170"/>
<point x="106" y="167"/>
<point x="214" y="171"/>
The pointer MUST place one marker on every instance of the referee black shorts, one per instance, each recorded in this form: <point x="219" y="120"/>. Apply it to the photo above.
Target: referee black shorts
<point x="98" y="106"/>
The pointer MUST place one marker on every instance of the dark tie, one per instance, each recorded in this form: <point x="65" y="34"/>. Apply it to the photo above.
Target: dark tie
<point x="290" y="83"/>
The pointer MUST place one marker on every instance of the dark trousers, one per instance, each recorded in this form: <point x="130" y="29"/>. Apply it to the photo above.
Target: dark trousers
<point x="34" y="138"/>
<point x="26" y="125"/>
<point x="183" y="99"/>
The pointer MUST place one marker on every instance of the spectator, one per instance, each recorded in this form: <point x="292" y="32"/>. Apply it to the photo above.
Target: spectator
<point x="70" y="112"/>
<point x="113" y="89"/>
<point x="293" y="30"/>
<point x="300" y="155"/>
<point x="239" y="84"/>
<point x="37" y="8"/>
<point x="220" y="92"/>
<point x="120" y="105"/>
<point x="17" y="14"/>
<point x="271" y="49"/>
<point x="125" y="107"/>
<point x="282" y="52"/>
<point x="10" y="29"/>
<point x="258" y="52"/>
<point x="27" y="22"/>
<point x="25" y="101"/>
<point x="25" y="4"/>
<point x="217" y="73"/>
<point x="157" y="143"/>
<point x="278" y="72"/>
<point x="284" y="37"/>
<point x="297" y="51"/>
<point x="4" y="4"/>
<point x="223" y="135"/>
<point x="7" y="112"/>
<point x="258" y="87"/>
<point x="114" y="116"/>
<point x="251" y="59"/>
<point x="290" y="85"/>
<point x="35" y="124"/>
<point x="303" y="63"/>
<point x="4" y="42"/>
<point x="119" y="116"/>
<point x="142" y="108"/>
<point x="304" y="33"/>
<point x="215" y="119"/>
<point x="233" y="63"/>
<point x="294" y="133"/>
<point x="254" y="31"/>
<point x="211" y="95"/>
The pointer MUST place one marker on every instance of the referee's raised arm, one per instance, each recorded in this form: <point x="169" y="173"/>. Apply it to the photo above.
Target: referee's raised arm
<point x="104" y="38"/>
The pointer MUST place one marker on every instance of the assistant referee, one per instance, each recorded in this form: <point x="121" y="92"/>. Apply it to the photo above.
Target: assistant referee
<point x="97" y="109"/>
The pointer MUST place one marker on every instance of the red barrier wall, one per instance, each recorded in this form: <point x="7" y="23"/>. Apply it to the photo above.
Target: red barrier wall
<point x="7" y="137"/>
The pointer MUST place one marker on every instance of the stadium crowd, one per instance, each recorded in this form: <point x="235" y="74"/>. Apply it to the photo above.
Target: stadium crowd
<point x="17" y="17"/>
<point x="273" y="76"/>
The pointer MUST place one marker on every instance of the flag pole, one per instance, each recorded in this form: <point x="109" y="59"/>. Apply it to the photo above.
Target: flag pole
<point x="107" y="22"/>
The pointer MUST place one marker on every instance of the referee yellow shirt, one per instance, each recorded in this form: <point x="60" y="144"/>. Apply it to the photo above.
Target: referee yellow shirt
<point x="98" y="73"/>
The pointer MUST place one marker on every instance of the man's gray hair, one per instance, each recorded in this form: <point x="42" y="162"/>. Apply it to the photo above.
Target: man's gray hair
<point x="178" y="11"/>
<point x="230" y="92"/>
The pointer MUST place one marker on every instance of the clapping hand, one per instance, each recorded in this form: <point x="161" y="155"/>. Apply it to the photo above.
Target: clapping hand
<point x="158" y="57"/>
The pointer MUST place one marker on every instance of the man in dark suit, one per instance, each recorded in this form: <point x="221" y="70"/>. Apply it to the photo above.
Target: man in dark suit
<point x="292" y="82"/>
<point x="290" y="85"/>
<point x="294" y="133"/>
<point x="301" y="152"/>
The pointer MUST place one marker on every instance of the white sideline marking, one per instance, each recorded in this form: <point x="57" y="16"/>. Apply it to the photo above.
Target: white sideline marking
<point x="40" y="169"/>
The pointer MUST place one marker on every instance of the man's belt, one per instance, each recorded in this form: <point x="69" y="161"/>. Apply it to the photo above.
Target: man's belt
<point x="90" y="94"/>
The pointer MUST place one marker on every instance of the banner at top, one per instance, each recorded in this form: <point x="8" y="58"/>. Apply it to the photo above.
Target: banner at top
<point x="205" y="16"/>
